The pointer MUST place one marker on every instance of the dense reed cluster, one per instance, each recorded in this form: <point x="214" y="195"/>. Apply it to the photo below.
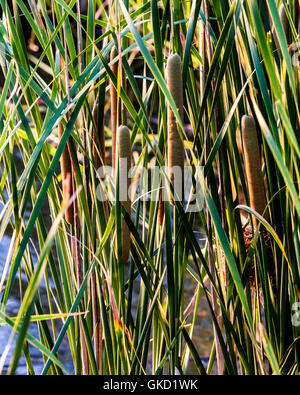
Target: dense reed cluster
<point x="149" y="177"/>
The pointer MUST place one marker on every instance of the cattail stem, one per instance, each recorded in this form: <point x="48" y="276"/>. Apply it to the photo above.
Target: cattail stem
<point x="99" y="161"/>
<point x="124" y="156"/>
<point x="98" y="142"/>
<point x="116" y="113"/>
<point x="253" y="167"/>
<point x="175" y="144"/>
<point x="67" y="182"/>
<point x="97" y="325"/>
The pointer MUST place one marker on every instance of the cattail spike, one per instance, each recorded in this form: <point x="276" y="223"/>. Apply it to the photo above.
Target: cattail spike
<point x="253" y="166"/>
<point x="124" y="156"/>
<point x="67" y="175"/>
<point x="175" y="144"/>
<point x="161" y="210"/>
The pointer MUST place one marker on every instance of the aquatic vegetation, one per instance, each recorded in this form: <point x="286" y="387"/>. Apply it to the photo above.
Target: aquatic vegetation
<point x="111" y="269"/>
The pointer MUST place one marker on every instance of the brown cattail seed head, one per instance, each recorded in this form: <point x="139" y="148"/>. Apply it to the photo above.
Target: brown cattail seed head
<point x="161" y="210"/>
<point x="124" y="156"/>
<point x="66" y="174"/>
<point x="175" y="144"/>
<point x="253" y="166"/>
<point x="285" y="24"/>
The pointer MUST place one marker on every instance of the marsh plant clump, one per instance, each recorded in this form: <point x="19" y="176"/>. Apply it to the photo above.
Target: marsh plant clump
<point x="132" y="271"/>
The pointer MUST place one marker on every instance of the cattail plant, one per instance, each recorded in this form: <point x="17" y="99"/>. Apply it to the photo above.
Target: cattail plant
<point x="67" y="178"/>
<point x="256" y="189"/>
<point x="175" y="144"/>
<point x="124" y="157"/>
<point x="175" y="149"/>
